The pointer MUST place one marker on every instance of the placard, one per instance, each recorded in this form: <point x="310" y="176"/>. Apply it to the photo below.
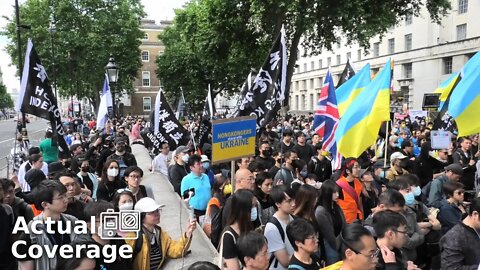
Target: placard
<point x="440" y="139"/>
<point x="233" y="138"/>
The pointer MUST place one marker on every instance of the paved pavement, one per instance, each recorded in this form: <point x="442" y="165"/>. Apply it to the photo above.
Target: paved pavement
<point x="174" y="216"/>
<point x="36" y="132"/>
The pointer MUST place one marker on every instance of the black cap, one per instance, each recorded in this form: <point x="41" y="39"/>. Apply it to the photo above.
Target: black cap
<point x="34" y="176"/>
<point x="455" y="168"/>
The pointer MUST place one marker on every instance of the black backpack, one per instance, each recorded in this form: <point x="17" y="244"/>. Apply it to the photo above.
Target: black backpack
<point x="277" y="224"/>
<point x="217" y="227"/>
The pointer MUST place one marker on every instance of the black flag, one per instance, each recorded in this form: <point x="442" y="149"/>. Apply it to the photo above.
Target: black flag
<point x="347" y="73"/>
<point x="165" y="127"/>
<point x="206" y="124"/>
<point x="267" y="94"/>
<point x="36" y="96"/>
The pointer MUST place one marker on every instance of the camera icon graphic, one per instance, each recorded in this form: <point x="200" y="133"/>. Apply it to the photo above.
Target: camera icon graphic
<point x="119" y="225"/>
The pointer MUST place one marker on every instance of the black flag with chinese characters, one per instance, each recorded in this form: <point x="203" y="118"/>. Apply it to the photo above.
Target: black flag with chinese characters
<point x="36" y="96"/>
<point x="267" y="93"/>
<point x="166" y="126"/>
<point x="206" y="124"/>
<point x="348" y="72"/>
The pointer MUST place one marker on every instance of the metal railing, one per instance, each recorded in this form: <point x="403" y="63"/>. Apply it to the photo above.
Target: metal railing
<point x="5" y="166"/>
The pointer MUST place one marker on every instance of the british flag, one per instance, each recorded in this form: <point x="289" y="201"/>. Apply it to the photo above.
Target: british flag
<point x="326" y="120"/>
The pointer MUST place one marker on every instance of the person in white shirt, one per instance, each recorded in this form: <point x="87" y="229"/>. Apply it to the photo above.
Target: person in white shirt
<point x="35" y="161"/>
<point x="161" y="161"/>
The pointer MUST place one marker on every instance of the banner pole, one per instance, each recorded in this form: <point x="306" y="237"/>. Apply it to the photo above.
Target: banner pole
<point x="386" y="145"/>
<point x="232" y="175"/>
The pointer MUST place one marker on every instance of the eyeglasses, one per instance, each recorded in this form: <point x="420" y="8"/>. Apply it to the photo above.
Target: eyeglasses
<point x="402" y="232"/>
<point x="313" y="237"/>
<point x="135" y="176"/>
<point x="154" y="212"/>
<point x="372" y="256"/>
<point x="460" y="192"/>
<point x="61" y="197"/>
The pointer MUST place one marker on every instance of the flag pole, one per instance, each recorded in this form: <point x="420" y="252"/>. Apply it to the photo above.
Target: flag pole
<point x="386" y="146"/>
<point x="189" y="123"/>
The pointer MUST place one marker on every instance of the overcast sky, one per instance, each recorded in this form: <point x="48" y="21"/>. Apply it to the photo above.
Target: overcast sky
<point x="156" y="9"/>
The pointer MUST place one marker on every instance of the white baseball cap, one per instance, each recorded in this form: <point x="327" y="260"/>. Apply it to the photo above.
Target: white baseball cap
<point x="204" y="159"/>
<point x="146" y="205"/>
<point x="397" y="155"/>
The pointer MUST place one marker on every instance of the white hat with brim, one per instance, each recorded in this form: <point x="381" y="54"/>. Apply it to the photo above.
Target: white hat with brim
<point x="146" y="205"/>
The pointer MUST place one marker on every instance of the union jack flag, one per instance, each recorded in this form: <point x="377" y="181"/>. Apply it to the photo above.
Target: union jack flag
<point x="326" y="120"/>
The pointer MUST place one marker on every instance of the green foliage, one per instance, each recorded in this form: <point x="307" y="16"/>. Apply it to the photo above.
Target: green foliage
<point x="218" y="42"/>
<point x="6" y="101"/>
<point x="86" y="33"/>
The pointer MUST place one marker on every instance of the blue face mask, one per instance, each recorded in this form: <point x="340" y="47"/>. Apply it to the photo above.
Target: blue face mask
<point x="206" y="165"/>
<point x="185" y="158"/>
<point x="304" y="173"/>
<point x="417" y="191"/>
<point x="409" y="199"/>
<point x="253" y="214"/>
<point x="382" y="174"/>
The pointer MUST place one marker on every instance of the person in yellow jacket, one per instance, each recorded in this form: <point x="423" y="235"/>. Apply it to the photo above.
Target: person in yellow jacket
<point x="155" y="245"/>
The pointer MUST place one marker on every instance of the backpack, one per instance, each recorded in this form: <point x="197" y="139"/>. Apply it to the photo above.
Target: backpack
<point x="277" y="224"/>
<point x="217" y="227"/>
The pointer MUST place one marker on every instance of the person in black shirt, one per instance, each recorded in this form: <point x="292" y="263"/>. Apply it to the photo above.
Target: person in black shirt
<point x="303" y="150"/>
<point x="303" y="238"/>
<point x="252" y="251"/>
<point x="75" y="206"/>
<point x="265" y="158"/>
<point x="320" y="165"/>
<point x="177" y="171"/>
<point x="6" y="226"/>
<point x="286" y="143"/>
<point x="110" y="181"/>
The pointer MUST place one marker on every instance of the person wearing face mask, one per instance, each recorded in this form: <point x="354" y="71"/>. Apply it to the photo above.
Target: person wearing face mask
<point x="89" y="180"/>
<point x="285" y="175"/>
<point x="265" y="157"/>
<point x="95" y="209"/>
<point x="207" y="170"/>
<point x="123" y="158"/>
<point x="123" y="200"/>
<point x="320" y="165"/>
<point x="178" y="170"/>
<point x="398" y="162"/>
<point x="110" y="181"/>
<point x="414" y="235"/>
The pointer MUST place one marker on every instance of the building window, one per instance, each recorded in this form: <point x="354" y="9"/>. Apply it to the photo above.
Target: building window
<point x="304" y="103"/>
<point x="305" y="67"/>
<point x="312" y="86"/>
<point x="407" y="70"/>
<point x="461" y="31"/>
<point x="376" y="49"/>
<point x="312" y="102"/>
<point x="408" y="42"/>
<point x="329" y="61"/>
<point x="408" y="19"/>
<point x="296" y="102"/>
<point x="145" y="78"/>
<point x="312" y="65"/>
<point x="447" y="65"/>
<point x="320" y="82"/>
<point x="462" y="6"/>
<point x="339" y="45"/>
<point x="349" y="55"/>
<point x="304" y="82"/>
<point x="297" y="85"/>
<point x="391" y="45"/>
<point x="145" y="56"/>
<point x="147" y="104"/>
<point x="375" y="71"/>
<point x="320" y="63"/>
<point x="359" y="55"/>
<point x="339" y="58"/>
<point x="145" y="36"/>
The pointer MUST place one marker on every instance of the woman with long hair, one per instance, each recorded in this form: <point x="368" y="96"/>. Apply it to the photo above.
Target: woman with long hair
<point x="239" y="222"/>
<point x="369" y="193"/>
<point x="219" y="196"/>
<point x="330" y="219"/>
<point x="263" y="187"/>
<point x="305" y="203"/>
<point x="110" y="181"/>
<point x="349" y="195"/>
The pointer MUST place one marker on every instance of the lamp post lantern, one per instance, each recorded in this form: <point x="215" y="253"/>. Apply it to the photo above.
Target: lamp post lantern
<point x="112" y="72"/>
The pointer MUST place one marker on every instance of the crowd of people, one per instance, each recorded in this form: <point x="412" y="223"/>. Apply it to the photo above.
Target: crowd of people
<point x="399" y="205"/>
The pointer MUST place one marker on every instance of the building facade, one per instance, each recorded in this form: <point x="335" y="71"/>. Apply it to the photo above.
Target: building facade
<point x="147" y="84"/>
<point x="424" y="55"/>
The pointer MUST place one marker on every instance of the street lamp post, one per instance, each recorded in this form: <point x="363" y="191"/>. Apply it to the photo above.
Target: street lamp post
<point x="112" y="73"/>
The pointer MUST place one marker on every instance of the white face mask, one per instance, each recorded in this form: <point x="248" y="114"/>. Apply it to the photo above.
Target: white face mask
<point x="126" y="206"/>
<point x="112" y="172"/>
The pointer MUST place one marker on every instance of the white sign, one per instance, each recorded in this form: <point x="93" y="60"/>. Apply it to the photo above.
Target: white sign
<point x="440" y="139"/>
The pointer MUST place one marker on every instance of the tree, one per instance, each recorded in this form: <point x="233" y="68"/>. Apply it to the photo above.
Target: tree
<point x="86" y="33"/>
<point x="219" y="41"/>
<point x="6" y="101"/>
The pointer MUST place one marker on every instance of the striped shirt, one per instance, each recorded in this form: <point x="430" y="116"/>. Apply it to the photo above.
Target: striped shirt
<point x="155" y="256"/>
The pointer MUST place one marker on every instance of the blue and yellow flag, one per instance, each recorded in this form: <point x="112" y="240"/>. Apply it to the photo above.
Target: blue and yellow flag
<point x="445" y="88"/>
<point x="464" y="105"/>
<point x="358" y="127"/>
<point x="349" y="90"/>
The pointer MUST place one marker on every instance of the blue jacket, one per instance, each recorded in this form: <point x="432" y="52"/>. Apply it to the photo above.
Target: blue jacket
<point x="449" y="216"/>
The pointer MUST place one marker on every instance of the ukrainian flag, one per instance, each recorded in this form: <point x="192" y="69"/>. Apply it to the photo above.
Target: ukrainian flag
<point x="358" y="127"/>
<point x="445" y="88"/>
<point x="464" y="105"/>
<point x="350" y="89"/>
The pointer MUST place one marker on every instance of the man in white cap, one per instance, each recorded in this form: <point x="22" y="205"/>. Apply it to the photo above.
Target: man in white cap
<point x="155" y="243"/>
<point x="397" y="166"/>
